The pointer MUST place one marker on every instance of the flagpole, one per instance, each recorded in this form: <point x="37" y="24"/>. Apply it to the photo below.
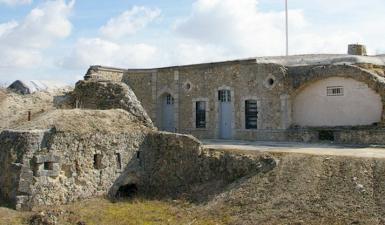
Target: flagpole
<point x="287" y="28"/>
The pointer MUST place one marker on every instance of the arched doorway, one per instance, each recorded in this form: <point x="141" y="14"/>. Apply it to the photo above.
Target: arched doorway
<point x="167" y="113"/>
<point x="337" y="101"/>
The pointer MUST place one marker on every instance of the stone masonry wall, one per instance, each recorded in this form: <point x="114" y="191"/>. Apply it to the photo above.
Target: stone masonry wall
<point x="175" y="165"/>
<point x="16" y="173"/>
<point x="50" y="168"/>
<point x="246" y="80"/>
<point x="191" y="83"/>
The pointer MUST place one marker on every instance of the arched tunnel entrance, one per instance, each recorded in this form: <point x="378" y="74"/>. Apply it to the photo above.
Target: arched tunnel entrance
<point x="126" y="191"/>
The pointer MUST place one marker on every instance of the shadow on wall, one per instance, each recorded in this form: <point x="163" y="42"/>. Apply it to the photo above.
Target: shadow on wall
<point x="171" y="165"/>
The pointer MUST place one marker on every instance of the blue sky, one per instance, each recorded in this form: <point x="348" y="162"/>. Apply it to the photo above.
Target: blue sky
<point x="59" y="39"/>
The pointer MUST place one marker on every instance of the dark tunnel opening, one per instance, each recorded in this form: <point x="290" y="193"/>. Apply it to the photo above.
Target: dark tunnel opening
<point x="126" y="191"/>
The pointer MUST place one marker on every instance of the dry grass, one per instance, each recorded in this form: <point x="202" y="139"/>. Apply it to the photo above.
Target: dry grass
<point x="11" y="217"/>
<point x="3" y="95"/>
<point x="135" y="212"/>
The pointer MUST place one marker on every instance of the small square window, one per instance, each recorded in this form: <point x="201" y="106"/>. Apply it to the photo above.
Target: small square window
<point x="169" y="100"/>
<point x="98" y="161"/>
<point x="48" y="165"/>
<point x="335" y="91"/>
<point x="224" y="96"/>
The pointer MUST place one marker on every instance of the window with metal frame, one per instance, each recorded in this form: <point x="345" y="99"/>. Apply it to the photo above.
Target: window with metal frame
<point x="169" y="100"/>
<point x="200" y="112"/>
<point x="335" y="91"/>
<point x="224" y="95"/>
<point x="251" y="114"/>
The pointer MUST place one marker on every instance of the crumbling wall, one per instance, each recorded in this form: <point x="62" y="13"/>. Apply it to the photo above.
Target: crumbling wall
<point x="15" y="168"/>
<point x="175" y="164"/>
<point x="50" y="168"/>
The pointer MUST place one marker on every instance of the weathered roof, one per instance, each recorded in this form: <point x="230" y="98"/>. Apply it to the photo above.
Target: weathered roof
<point x="289" y="61"/>
<point x="322" y="59"/>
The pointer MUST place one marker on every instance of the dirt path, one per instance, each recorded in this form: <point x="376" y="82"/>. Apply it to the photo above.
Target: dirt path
<point x="305" y="148"/>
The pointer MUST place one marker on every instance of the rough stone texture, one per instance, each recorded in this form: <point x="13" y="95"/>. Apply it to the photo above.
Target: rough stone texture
<point x="109" y="95"/>
<point x="174" y="165"/>
<point x="360" y="136"/>
<point x="57" y="166"/>
<point x="68" y="155"/>
<point x="356" y="49"/>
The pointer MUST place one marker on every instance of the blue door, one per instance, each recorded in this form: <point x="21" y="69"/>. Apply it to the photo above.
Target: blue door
<point x="225" y="114"/>
<point x="168" y="113"/>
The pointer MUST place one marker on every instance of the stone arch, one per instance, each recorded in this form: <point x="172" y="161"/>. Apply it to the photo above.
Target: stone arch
<point x="127" y="185"/>
<point x="322" y="73"/>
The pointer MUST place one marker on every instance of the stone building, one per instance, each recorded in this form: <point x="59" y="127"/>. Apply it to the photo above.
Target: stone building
<point x="300" y="98"/>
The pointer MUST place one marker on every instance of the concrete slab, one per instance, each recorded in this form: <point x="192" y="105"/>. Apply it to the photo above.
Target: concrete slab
<point x="372" y="151"/>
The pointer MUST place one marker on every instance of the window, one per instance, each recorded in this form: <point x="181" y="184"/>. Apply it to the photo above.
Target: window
<point x="251" y="114"/>
<point x="98" y="161"/>
<point x="48" y="165"/>
<point x="224" y="96"/>
<point x="118" y="161"/>
<point x="169" y="100"/>
<point x="200" y="112"/>
<point x="335" y="91"/>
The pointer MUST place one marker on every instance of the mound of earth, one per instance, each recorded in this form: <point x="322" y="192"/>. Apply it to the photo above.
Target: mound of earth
<point x="14" y="107"/>
<point x="84" y="121"/>
<point x="306" y="189"/>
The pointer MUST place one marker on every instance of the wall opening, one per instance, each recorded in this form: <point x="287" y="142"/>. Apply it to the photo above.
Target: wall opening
<point x="127" y="191"/>
<point x="48" y="165"/>
<point x="326" y="135"/>
<point x="200" y="114"/>
<point x="251" y="114"/>
<point x="98" y="161"/>
<point x="118" y="161"/>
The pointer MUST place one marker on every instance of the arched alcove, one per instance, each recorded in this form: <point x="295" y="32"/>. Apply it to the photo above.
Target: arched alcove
<point x="336" y="101"/>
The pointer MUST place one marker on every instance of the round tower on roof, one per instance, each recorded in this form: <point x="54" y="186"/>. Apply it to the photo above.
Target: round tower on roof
<point x="357" y="49"/>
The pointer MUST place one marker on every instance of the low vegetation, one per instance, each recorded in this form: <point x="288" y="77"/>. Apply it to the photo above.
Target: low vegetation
<point x="136" y="211"/>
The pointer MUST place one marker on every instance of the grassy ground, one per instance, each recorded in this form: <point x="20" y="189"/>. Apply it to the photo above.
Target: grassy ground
<point x="137" y="211"/>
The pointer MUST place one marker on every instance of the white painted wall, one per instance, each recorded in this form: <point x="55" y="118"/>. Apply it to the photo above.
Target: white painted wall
<point x="360" y="105"/>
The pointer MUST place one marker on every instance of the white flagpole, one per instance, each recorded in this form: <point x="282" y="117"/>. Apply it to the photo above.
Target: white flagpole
<point x="287" y="28"/>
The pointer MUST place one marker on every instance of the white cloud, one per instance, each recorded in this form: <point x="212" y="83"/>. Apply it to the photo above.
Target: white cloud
<point x="21" y="42"/>
<point x="241" y="28"/>
<point x="96" y="51"/>
<point x="15" y="2"/>
<point x="129" y="22"/>
<point x="216" y="30"/>
<point x="238" y="25"/>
